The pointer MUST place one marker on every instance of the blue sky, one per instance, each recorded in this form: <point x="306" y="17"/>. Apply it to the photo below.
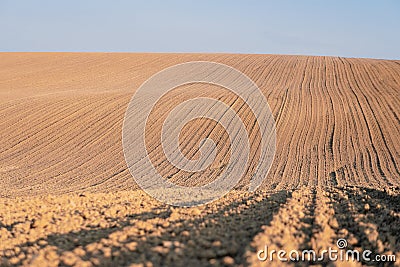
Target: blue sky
<point x="347" y="28"/>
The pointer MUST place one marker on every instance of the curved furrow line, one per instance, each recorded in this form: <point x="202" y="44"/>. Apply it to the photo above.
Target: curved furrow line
<point x="294" y="161"/>
<point x="391" y="99"/>
<point x="171" y="103"/>
<point x="261" y="71"/>
<point x="218" y="141"/>
<point x="14" y="104"/>
<point x="392" y="69"/>
<point x="379" y="111"/>
<point x="77" y="171"/>
<point x="362" y="173"/>
<point x="352" y="123"/>
<point x="320" y="121"/>
<point x="270" y="182"/>
<point x="329" y="81"/>
<point x="36" y="154"/>
<point x="189" y="148"/>
<point x="303" y="156"/>
<point x="289" y="170"/>
<point x="40" y="153"/>
<point x="98" y="136"/>
<point x="387" y="134"/>
<point x="355" y="126"/>
<point x="162" y="164"/>
<point x="372" y="126"/>
<point x="340" y="128"/>
<point x="323" y="159"/>
<point x="74" y="109"/>
<point x="160" y="159"/>
<point x="309" y="146"/>
<point x="283" y="124"/>
<point x="273" y="78"/>
<point x="244" y="116"/>
<point x="318" y="107"/>
<point x="96" y="181"/>
<point x="97" y="122"/>
<point x="283" y="75"/>
<point x="20" y="115"/>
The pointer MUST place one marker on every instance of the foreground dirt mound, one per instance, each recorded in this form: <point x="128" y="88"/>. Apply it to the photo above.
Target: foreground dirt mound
<point x="337" y="120"/>
<point x="119" y="229"/>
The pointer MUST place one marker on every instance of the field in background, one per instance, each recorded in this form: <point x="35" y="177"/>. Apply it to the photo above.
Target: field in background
<point x="68" y="197"/>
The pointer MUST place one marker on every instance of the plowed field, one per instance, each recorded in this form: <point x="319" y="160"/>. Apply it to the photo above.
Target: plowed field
<point x="68" y="198"/>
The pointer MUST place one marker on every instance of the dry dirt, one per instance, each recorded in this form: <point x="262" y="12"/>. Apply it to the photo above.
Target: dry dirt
<point x="67" y="197"/>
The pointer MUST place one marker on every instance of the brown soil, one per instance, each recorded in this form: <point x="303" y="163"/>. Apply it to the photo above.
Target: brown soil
<point x="67" y="197"/>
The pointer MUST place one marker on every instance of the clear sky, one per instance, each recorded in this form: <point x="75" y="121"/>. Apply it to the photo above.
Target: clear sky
<point x="347" y="28"/>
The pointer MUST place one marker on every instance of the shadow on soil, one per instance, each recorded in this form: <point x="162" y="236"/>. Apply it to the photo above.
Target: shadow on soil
<point x="201" y="241"/>
<point x="369" y="220"/>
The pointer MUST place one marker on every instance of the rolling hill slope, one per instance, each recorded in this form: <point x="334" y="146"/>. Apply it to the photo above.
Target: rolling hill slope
<point x="337" y="119"/>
